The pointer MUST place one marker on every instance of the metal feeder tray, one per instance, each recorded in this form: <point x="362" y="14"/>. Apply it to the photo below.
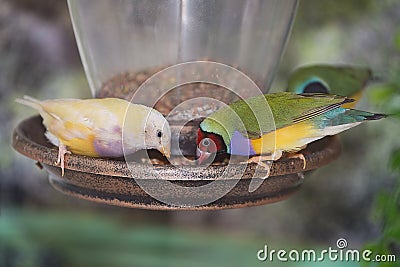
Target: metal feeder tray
<point x="109" y="181"/>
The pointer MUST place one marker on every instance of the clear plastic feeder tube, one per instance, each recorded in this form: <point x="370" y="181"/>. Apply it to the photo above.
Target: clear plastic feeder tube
<point x="120" y="36"/>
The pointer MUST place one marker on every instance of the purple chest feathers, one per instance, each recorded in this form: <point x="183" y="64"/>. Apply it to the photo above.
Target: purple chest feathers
<point x="110" y="147"/>
<point x="240" y="145"/>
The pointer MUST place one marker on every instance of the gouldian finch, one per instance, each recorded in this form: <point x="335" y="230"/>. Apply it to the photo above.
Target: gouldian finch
<point x="330" y="79"/>
<point x="93" y="127"/>
<point x="295" y="121"/>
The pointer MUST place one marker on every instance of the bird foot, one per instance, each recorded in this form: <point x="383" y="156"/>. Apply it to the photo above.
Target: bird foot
<point x="298" y="156"/>
<point x="260" y="161"/>
<point x="264" y="171"/>
<point x="265" y="163"/>
<point x="62" y="150"/>
<point x="266" y="157"/>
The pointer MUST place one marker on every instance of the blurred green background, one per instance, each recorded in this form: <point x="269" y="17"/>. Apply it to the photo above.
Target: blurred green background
<point x="356" y="197"/>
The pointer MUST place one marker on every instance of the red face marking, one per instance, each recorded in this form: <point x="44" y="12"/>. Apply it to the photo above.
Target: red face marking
<point x="209" y="142"/>
<point x="200" y="136"/>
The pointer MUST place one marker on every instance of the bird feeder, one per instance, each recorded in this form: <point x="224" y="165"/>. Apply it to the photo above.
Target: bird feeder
<point x="186" y="59"/>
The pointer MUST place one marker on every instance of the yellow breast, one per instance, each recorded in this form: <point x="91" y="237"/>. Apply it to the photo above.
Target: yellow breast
<point x="78" y="138"/>
<point x="81" y="146"/>
<point x="290" y="139"/>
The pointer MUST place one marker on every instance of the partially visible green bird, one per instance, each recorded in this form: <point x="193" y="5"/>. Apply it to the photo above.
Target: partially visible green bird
<point x="271" y="124"/>
<point x="344" y="80"/>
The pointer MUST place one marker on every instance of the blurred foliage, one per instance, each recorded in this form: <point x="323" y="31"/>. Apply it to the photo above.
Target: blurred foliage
<point x="387" y="94"/>
<point x="386" y="211"/>
<point x="321" y="13"/>
<point x="336" y="200"/>
<point x="74" y="239"/>
<point x="54" y="238"/>
<point x="342" y="31"/>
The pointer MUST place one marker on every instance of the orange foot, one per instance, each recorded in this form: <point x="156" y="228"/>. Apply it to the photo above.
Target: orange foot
<point x="260" y="160"/>
<point x="62" y="150"/>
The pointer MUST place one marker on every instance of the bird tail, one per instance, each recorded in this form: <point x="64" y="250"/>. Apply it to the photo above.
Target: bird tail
<point x="349" y="116"/>
<point x="30" y="102"/>
<point x="340" y="120"/>
<point x="360" y="115"/>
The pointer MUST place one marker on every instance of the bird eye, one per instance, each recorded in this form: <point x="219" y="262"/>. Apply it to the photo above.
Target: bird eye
<point x="206" y="142"/>
<point x="159" y="134"/>
<point x="316" y="87"/>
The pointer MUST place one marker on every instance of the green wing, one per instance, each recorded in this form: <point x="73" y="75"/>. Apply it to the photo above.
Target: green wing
<point x="261" y="114"/>
<point x="339" y="80"/>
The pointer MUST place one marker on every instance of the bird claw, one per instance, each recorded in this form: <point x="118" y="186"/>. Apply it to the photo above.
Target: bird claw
<point x="264" y="171"/>
<point x="259" y="160"/>
<point x="62" y="150"/>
